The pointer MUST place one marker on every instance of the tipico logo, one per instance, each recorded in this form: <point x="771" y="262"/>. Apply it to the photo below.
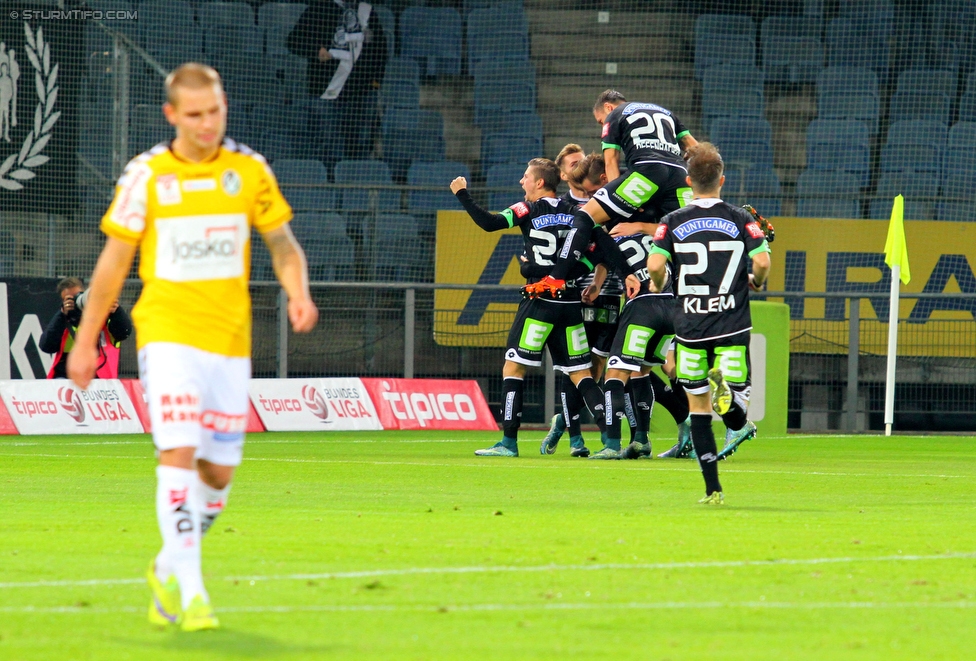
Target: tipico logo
<point x="70" y="401"/>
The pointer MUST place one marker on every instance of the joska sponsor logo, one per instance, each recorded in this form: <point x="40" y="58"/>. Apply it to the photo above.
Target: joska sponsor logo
<point x="201" y="247"/>
<point x="308" y="404"/>
<point x="51" y="407"/>
<point x="430" y="404"/>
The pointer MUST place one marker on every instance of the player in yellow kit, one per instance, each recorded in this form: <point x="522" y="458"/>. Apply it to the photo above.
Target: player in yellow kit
<point x="188" y="207"/>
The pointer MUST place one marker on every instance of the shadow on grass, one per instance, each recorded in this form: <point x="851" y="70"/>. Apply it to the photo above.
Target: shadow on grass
<point x="226" y="643"/>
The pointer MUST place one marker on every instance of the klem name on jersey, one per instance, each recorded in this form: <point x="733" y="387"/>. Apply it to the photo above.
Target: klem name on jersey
<point x="690" y="227"/>
<point x="714" y="304"/>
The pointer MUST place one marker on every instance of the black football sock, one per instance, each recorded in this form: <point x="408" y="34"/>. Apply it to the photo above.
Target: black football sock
<point x="614" y="401"/>
<point x="572" y="403"/>
<point x="512" y="392"/>
<point x="671" y="396"/>
<point x="735" y="419"/>
<point x="643" y="396"/>
<point x="593" y="397"/>
<point x="704" y="442"/>
<point x="574" y="246"/>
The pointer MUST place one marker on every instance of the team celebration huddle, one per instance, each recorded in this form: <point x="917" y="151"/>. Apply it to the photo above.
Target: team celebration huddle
<point x="644" y="220"/>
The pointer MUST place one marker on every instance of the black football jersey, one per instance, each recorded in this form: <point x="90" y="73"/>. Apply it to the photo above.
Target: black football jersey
<point x="711" y="244"/>
<point x="544" y="224"/>
<point x="645" y="133"/>
<point x="613" y="285"/>
<point x="636" y="249"/>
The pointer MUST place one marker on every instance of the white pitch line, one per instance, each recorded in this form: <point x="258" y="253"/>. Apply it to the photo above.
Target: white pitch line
<point x="643" y="466"/>
<point x="477" y="608"/>
<point x="488" y="569"/>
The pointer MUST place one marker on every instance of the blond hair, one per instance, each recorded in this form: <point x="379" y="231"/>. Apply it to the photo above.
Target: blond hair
<point x="191" y="75"/>
<point x="705" y="166"/>
<point x="567" y="151"/>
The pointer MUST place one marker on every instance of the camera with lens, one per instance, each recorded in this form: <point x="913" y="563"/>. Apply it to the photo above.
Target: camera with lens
<point x="74" y="315"/>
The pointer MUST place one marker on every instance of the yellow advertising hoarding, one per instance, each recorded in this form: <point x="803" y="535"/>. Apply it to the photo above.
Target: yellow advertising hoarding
<point x="812" y="255"/>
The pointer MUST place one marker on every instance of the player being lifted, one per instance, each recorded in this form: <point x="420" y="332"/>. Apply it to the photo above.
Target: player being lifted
<point x="557" y="323"/>
<point x="188" y="206"/>
<point x="600" y="293"/>
<point x="651" y="139"/>
<point x="711" y="243"/>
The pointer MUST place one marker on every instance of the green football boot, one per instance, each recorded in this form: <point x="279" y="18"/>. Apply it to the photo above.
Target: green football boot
<point x="496" y="450"/>
<point x="606" y="453"/>
<point x="164" y="607"/>
<point x="556" y="430"/>
<point x="714" y="498"/>
<point x="199" y="616"/>
<point x="636" y="451"/>
<point x="733" y="439"/>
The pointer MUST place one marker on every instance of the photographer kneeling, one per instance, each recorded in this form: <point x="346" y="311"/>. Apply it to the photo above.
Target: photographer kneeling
<point x="59" y="336"/>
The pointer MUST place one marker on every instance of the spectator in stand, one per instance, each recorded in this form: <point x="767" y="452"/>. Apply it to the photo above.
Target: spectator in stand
<point x="347" y="59"/>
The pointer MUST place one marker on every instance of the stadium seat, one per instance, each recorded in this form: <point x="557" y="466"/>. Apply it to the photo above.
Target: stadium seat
<point x="858" y="42"/>
<point x="234" y="14"/>
<point x="732" y="90"/>
<point x="961" y="149"/>
<point x="277" y="19"/>
<point x="879" y="12"/>
<point x="508" y="176"/>
<point x="148" y="128"/>
<point x="411" y="134"/>
<point x="277" y="130"/>
<point x="743" y="141"/>
<point x="927" y="81"/>
<point x="501" y="17"/>
<point x="434" y="173"/>
<point x="387" y="22"/>
<point x="919" y="188"/>
<point x="99" y="40"/>
<point x="397" y="253"/>
<point x="506" y="70"/>
<point x="839" y="145"/>
<point x="824" y="194"/>
<point x="513" y="122"/>
<point x="914" y="146"/>
<point x="362" y="173"/>
<point x="432" y="36"/>
<point x="505" y="148"/>
<point x="508" y="45"/>
<point x="967" y="107"/>
<point x="261" y="269"/>
<point x="913" y="105"/>
<point x="328" y="249"/>
<point x="493" y="96"/>
<point x="166" y="31"/>
<point x="401" y="84"/>
<point x="323" y="141"/>
<point x="849" y="93"/>
<point x="723" y="39"/>
<point x="957" y="200"/>
<point x="792" y="51"/>
<point x="304" y="172"/>
<point x="759" y="187"/>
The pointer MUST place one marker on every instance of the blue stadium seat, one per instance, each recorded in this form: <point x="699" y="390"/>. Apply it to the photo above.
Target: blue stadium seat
<point x="434" y="173"/>
<point x="508" y="70"/>
<point x="879" y="12"/>
<point x="928" y="81"/>
<point x="824" y="194"/>
<point x="841" y="145"/>
<point x="759" y="187"/>
<point x="328" y="250"/>
<point x="913" y="105"/>
<point x="858" y="42"/>
<point x="724" y="39"/>
<point x="469" y="6"/>
<point x="505" y="148"/>
<point x="914" y="146"/>
<point x="967" y="106"/>
<point x="849" y="93"/>
<point x="513" y="122"/>
<point x="792" y="51"/>
<point x="411" y="134"/>
<point x="261" y="269"/>
<point x="505" y="175"/>
<point x="237" y="14"/>
<point x="401" y="84"/>
<point x="397" y="253"/>
<point x="508" y="45"/>
<point x="277" y="130"/>
<point x="366" y="172"/>
<point x="504" y="17"/>
<point x="432" y="36"/>
<point x="494" y="96"/>
<point x="147" y="128"/>
<point x="919" y="188"/>
<point x="277" y="19"/>
<point x="743" y="141"/>
<point x="166" y="31"/>
<point x="304" y="172"/>
<point x="288" y="76"/>
<point x="732" y="90"/>
<point x="961" y="149"/>
<point x="957" y="201"/>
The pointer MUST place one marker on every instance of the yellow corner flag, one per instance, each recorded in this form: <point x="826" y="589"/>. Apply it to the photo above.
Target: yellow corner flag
<point x="896" y="252"/>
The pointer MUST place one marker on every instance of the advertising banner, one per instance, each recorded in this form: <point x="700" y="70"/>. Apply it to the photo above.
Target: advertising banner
<point x="26" y="306"/>
<point x="431" y="404"/>
<point x="59" y="407"/>
<point x="341" y="404"/>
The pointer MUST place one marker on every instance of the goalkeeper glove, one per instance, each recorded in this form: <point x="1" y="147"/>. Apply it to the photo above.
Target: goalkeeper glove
<point x="767" y="227"/>
<point x="548" y="287"/>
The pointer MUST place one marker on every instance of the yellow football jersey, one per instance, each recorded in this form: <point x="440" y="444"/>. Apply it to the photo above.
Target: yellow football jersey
<point x="192" y="223"/>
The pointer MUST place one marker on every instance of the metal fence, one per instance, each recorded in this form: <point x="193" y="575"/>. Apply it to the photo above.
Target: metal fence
<point x="836" y="380"/>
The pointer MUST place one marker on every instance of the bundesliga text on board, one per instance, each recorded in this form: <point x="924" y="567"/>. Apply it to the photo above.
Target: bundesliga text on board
<point x="55" y="407"/>
<point x="313" y="404"/>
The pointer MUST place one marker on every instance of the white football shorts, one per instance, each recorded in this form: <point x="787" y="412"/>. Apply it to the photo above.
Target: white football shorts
<point x="196" y="399"/>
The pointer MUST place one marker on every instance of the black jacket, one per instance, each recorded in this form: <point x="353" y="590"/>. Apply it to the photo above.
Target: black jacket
<point x="316" y="28"/>
<point x="119" y="327"/>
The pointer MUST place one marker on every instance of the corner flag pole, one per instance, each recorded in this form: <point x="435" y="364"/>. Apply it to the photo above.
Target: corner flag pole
<point x="896" y="257"/>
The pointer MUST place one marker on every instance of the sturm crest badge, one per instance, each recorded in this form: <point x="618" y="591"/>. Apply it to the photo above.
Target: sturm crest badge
<point x="230" y="181"/>
<point x="19" y="166"/>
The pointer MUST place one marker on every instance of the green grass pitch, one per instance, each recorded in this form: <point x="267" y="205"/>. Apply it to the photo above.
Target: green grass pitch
<point x="406" y="546"/>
